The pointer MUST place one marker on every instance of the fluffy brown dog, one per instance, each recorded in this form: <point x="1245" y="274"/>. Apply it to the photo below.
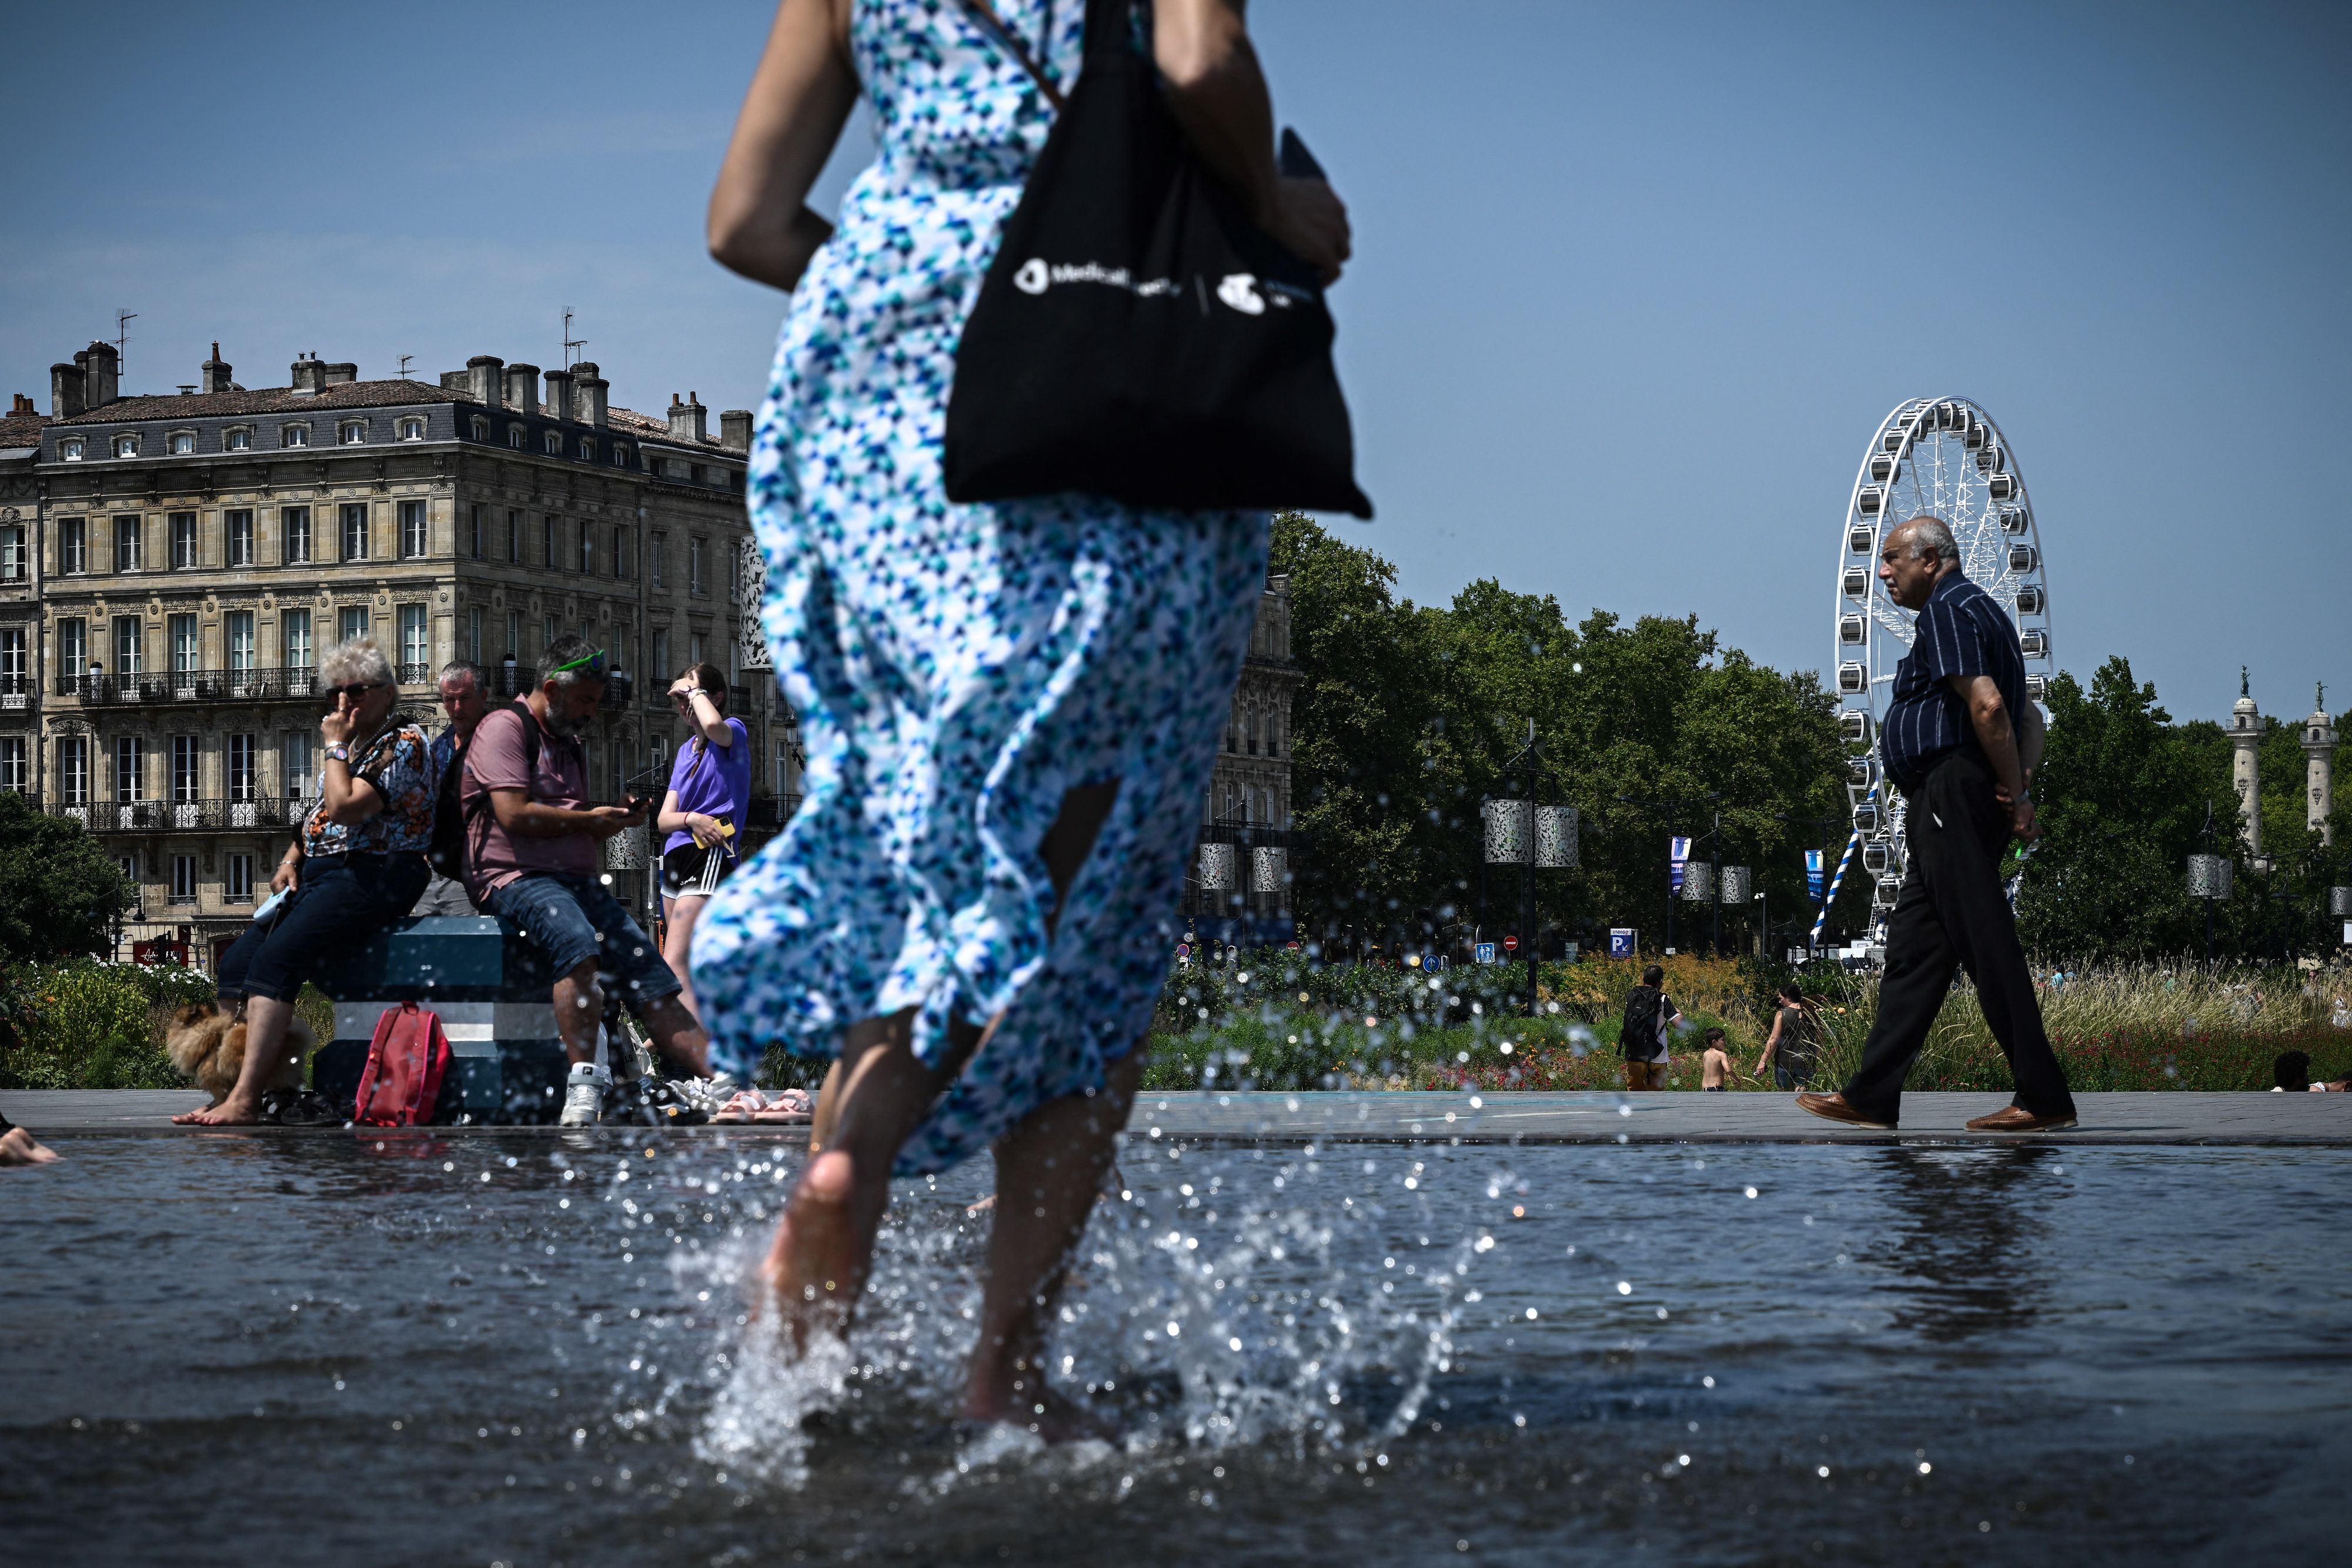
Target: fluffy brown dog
<point x="208" y="1045"/>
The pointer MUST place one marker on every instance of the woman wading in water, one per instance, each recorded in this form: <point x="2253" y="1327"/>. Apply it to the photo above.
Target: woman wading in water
<point x="1010" y="709"/>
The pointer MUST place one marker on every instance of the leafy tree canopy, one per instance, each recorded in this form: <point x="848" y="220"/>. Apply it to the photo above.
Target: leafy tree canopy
<point x="59" y="891"/>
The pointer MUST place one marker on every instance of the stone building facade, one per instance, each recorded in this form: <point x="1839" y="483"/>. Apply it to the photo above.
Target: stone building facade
<point x="173" y="566"/>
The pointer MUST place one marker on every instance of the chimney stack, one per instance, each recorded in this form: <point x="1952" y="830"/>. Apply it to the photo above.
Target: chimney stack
<point x="337" y="374"/>
<point x="102" y="384"/>
<point x="21" y="407"/>
<point x="686" y="419"/>
<point x="558" y="394"/>
<point x="65" y="391"/>
<point x="307" y="375"/>
<point x="591" y="390"/>
<point x="213" y="375"/>
<point x="482" y="378"/>
<point x="735" y="429"/>
<point x="522" y="387"/>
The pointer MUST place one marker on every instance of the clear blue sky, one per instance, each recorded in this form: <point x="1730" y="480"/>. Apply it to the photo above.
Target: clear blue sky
<point x="1634" y="283"/>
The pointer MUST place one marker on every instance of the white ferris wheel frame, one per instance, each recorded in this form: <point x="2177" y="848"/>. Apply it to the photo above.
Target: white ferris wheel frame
<point x="1871" y="634"/>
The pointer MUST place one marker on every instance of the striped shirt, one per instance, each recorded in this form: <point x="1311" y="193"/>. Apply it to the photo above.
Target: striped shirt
<point x="1961" y="632"/>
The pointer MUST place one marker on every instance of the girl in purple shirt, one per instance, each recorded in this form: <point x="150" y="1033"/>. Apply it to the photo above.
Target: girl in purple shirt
<point x="703" y="813"/>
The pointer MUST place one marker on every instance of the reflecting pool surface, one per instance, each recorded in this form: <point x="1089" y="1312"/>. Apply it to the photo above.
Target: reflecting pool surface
<point x="529" y="1350"/>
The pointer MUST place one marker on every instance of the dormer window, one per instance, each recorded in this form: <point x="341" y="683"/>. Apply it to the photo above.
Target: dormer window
<point x="69" y="449"/>
<point x="412" y="430"/>
<point x="293" y="435"/>
<point x="587" y="449"/>
<point x="126" y="447"/>
<point x="555" y="444"/>
<point x="183" y="440"/>
<point x="515" y="436"/>
<point x="481" y="429"/>
<point x="620" y="456"/>
<point x="657" y="466"/>
<point x="351" y="432"/>
<point x="239" y="440"/>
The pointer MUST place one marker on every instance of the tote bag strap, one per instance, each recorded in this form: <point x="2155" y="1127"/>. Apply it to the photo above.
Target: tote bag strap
<point x="985" y="17"/>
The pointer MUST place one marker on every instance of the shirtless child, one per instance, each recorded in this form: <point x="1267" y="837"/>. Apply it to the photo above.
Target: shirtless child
<point x="1715" y="1064"/>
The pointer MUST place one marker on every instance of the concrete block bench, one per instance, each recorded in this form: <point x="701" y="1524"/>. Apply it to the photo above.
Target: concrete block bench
<point x="490" y="989"/>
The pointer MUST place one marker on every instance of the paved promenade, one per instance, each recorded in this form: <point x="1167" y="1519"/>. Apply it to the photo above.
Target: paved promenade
<point x="1673" y="1118"/>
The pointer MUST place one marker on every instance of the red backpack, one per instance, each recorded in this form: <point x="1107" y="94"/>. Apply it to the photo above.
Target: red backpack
<point x="406" y="1063"/>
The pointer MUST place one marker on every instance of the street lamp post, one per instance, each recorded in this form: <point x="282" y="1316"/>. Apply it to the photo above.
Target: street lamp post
<point x="1671" y="807"/>
<point x="1531" y="832"/>
<point x="2211" y="877"/>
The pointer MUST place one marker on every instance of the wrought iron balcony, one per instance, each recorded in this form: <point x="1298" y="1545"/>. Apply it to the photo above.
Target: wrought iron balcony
<point x="263" y="684"/>
<point x="16" y="691"/>
<point x="182" y="816"/>
<point x="509" y="681"/>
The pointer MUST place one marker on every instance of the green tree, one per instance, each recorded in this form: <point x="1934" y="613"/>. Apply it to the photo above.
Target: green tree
<point x="59" y="893"/>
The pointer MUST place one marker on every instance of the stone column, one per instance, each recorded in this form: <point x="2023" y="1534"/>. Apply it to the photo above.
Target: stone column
<point x="2245" y="766"/>
<point x="2319" y="751"/>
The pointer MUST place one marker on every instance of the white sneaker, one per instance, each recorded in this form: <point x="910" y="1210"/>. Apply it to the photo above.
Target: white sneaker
<point x="707" y="1093"/>
<point x="583" y="1096"/>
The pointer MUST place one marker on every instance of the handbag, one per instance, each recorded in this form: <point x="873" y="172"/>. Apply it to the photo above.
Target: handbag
<point x="1137" y="337"/>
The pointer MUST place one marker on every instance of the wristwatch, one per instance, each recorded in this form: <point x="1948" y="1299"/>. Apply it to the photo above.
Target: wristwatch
<point x="342" y="754"/>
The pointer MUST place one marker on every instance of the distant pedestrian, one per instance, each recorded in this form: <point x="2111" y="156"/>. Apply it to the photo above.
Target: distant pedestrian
<point x="465" y="697"/>
<point x="1713" y="1064"/>
<point x="1962" y="741"/>
<point x="2291" y="1072"/>
<point x="1642" y="1033"/>
<point x="1790" y="1049"/>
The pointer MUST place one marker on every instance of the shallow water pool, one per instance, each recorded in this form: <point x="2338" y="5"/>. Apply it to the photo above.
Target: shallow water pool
<point x="530" y="1351"/>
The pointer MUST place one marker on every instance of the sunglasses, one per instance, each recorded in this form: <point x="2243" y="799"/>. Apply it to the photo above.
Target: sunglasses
<point x="589" y="664"/>
<point x="357" y="689"/>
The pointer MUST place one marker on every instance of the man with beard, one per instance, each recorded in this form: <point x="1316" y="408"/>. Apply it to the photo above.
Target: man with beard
<point x="534" y="859"/>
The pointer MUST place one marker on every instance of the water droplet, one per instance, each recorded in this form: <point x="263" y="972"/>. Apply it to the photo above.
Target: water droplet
<point x="1624" y="1288"/>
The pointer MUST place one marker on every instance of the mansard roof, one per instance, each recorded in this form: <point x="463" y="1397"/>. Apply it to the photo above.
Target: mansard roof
<point x="263" y="399"/>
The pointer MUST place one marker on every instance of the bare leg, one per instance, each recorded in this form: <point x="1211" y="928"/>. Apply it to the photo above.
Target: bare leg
<point x="579" y="1010"/>
<point x="685" y="1042"/>
<point x="266" y="1022"/>
<point x="677" y="945"/>
<point x="1049" y="1170"/>
<point x="828" y="1101"/>
<point x="17" y="1147"/>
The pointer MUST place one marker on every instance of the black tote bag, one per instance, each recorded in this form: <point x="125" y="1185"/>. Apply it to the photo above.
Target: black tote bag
<point x="1137" y="336"/>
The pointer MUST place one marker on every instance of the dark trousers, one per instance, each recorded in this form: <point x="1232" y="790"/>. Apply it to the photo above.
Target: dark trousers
<point x="342" y="902"/>
<point x="1954" y="913"/>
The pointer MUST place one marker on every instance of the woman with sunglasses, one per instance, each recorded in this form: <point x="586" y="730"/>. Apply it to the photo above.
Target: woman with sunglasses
<point x="709" y="791"/>
<point x="357" y="865"/>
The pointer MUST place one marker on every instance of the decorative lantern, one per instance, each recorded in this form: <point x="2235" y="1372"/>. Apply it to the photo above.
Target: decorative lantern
<point x="2339" y="903"/>
<point x="1555" y="845"/>
<point x="1698" y="882"/>
<point x="1507" y="829"/>
<point x="1269" y="869"/>
<point x="1738" y="884"/>
<point x="1217" y="868"/>
<point x="2211" y="876"/>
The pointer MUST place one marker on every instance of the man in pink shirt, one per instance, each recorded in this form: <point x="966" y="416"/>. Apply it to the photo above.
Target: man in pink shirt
<point x="535" y="858"/>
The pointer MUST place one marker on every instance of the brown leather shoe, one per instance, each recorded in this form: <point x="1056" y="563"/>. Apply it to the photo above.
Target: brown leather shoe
<point x="2018" y="1119"/>
<point x="1833" y="1108"/>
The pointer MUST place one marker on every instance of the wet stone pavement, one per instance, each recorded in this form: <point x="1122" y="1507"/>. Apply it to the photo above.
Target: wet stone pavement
<point x="530" y="1349"/>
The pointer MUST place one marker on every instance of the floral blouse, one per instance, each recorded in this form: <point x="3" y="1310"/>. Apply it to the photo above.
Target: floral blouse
<point x="399" y="765"/>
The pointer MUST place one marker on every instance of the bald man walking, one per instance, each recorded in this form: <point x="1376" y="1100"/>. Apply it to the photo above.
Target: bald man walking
<point x="1961" y="742"/>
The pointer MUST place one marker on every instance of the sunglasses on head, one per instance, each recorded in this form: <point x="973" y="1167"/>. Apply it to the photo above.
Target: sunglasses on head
<point x="591" y="664"/>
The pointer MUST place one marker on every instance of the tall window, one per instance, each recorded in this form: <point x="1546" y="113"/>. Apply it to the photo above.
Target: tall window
<point x="350" y="620"/>
<point x="355" y="530"/>
<point x="183" y="878"/>
<point x="693" y="553"/>
<point x="236" y="530"/>
<point x="12" y="764"/>
<point x="553" y="629"/>
<point x="244" y="767"/>
<point x="657" y="557"/>
<point x="237" y="878"/>
<point x="786" y="777"/>
<point x="126" y="544"/>
<point x="474" y="529"/>
<point x="301" y="779"/>
<point x="73" y="769"/>
<point x="549" y="556"/>
<point x="412" y="528"/>
<point x="587" y="549"/>
<point x="415" y="651"/>
<point x="129" y="643"/>
<point x="187" y="769"/>
<point x="13" y="647"/>
<point x="625" y="552"/>
<point x="693" y="647"/>
<point x="73" y="545"/>
<point x="180" y="632"/>
<point x="514" y="635"/>
<point x="296" y="523"/>
<point x="294" y="638"/>
<point x="514" y="536"/>
<point x="474" y="634"/>
<point x="184" y="540"/>
<point x="73" y="644"/>
<point x="14" y="566"/>
<point x="663" y="670"/>
<point x="130" y="769"/>
<point x="238" y="624"/>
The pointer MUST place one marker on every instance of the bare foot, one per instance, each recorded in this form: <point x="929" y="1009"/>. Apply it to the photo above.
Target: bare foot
<point x="810" y="1270"/>
<point x="17" y="1147"/>
<point x="232" y="1112"/>
<point x="1027" y="1401"/>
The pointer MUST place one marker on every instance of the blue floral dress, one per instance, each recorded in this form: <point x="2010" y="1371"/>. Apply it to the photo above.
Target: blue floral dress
<point x="958" y="668"/>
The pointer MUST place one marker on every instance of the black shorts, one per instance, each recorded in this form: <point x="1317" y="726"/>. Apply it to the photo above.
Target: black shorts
<point x="691" y="871"/>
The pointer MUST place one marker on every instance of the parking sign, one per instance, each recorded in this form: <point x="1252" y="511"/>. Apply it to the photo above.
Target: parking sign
<point x="1625" y="941"/>
<point x="1486" y="952"/>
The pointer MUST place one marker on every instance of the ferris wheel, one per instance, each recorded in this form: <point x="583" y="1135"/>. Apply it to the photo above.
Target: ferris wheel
<point x="1945" y="458"/>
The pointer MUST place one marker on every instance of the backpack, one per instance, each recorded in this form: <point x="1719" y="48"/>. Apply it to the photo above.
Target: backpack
<point x="406" y="1063"/>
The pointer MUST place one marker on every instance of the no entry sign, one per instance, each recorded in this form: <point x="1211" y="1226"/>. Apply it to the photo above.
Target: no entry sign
<point x="1510" y="943"/>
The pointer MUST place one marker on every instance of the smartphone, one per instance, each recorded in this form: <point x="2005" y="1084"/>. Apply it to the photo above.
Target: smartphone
<point x="1294" y="159"/>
